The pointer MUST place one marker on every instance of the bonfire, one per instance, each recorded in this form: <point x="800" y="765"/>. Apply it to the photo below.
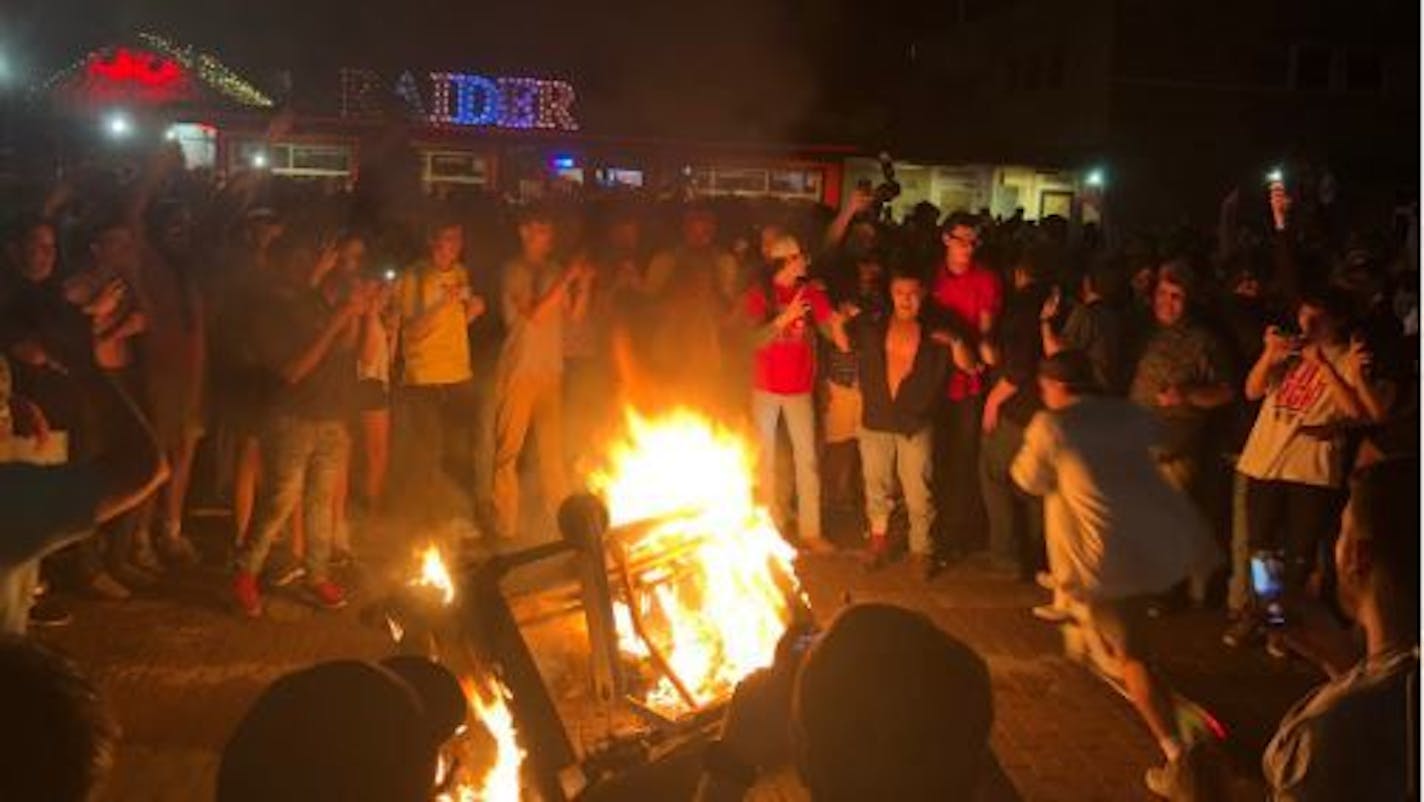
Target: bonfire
<point x="701" y="585"/>
<point x="707" y="582"/>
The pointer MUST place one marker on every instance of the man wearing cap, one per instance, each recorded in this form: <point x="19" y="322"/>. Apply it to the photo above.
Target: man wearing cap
<point x="785" y="311"/>
<point x="1116" y="532"/>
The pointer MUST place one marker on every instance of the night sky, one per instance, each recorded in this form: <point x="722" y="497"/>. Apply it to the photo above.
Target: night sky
<point x="731" y="68"/>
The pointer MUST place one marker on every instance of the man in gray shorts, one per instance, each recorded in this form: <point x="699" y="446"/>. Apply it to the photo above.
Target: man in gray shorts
<point x="1116" y="532"/>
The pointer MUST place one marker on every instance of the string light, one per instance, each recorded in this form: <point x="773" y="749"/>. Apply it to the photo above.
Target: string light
<point x="211" y="71"/>
<point x="518" y="102"/>
<point x="440" y="97"/>
<point x="475" y="91"/>
<point x="556" y="99"/>
<point x="357" y="90"/>
<point x="466" y="99"/>
<point x="157" y="72"/>
<point x="407" y="91"/>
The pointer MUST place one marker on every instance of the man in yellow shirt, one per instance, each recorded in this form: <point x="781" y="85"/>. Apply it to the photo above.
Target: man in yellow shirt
<point x="436" y="307"/>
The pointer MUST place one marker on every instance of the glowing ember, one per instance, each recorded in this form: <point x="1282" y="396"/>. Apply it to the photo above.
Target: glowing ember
<point x="719" y="597"/>
<point x="434" y="574"/>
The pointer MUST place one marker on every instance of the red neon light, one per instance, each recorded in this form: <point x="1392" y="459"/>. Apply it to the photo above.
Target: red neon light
<point x="137" y="75"/>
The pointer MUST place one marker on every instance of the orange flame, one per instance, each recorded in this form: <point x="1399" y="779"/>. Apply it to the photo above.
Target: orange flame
<point x="489" y="704"/>
<point x="488" y="701"/>
<point x="719" y="609"/>
<point x="434" y="574"/>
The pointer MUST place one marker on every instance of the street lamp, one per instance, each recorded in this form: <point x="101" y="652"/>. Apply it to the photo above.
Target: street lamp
<point x="259" y="160"/>
<point x="1096" y="178"/>
<point x="118" y="125"/>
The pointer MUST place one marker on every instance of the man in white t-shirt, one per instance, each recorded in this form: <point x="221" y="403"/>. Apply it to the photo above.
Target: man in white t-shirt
<point x="1117" y="533"/>
<point x="1311" y="387"/>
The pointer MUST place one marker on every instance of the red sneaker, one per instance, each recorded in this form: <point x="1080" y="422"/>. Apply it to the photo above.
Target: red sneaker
<point x="877" y="550"/>
<point x="327" y="594"/>
<point x="246" y="594"/>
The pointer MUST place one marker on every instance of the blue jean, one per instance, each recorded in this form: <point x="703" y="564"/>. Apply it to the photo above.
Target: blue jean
<point x="299" y="458"/>
<point x="883" y="456"/>
<point x="800" y="413"/>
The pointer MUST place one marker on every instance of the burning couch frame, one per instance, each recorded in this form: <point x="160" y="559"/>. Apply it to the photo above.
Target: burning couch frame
<point x="656" y="714"/>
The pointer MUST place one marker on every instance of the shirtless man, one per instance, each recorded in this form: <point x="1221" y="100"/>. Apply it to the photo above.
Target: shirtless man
<point x="902" y="369"/>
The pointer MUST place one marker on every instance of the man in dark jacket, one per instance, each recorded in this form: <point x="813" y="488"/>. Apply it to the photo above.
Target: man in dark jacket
<point x="902" y="370"/>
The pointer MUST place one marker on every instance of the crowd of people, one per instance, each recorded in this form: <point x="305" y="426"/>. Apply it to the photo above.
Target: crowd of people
<point x="1130" y="420"/>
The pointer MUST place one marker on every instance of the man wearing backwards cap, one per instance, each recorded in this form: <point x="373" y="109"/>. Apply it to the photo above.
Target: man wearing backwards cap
<point x="1117" y="533"/>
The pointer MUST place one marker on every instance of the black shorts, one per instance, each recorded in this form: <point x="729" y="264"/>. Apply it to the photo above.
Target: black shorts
<point x="372" y="395"/>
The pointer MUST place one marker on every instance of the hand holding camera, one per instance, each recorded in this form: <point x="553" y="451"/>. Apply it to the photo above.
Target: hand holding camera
<point x="1280" y="345"/>
<point x="795" y="310"/>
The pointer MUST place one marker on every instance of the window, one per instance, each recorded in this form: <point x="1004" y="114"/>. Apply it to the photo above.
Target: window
<point x="619" y="177"/>
<point x="1033" y="73"/>
<point x="258" y="155"/>
<point x="1310" y="68"/>
<point x="1363" y="71"/>
<point x="198" y="141"/>
<point x="796" y="183"/>
<point x="320" y="160"/>
<point x="284" y="158"/>
<point x="456" y="167"/>
<point x="1054" y="71"/>
<point x="738" y="181"/>
<point x="790" y="183"/>
<point x="1055" y="202"/>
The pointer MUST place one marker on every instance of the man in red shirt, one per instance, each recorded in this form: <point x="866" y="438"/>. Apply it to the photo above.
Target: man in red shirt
<point x="785" y="312"/>
<point x="967" y="299"/>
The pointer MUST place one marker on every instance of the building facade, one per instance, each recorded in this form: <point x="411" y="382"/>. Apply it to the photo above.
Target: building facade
<point x="1178" y="102"/>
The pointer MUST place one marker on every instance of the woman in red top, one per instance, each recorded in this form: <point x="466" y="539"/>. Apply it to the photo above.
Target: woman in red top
<point x="787" y="311"/>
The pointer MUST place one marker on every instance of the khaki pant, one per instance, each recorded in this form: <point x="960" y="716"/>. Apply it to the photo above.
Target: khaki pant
<point x="522" y="401"/>
<point x="841" y="415"/>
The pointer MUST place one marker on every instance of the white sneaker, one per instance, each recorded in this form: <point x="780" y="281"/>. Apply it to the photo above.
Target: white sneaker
<point x="1161" y="780"/>
<point x="1051" y="613"/>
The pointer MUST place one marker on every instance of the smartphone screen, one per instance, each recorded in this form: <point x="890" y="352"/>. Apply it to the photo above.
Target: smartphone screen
<point x="1268" y="583"/>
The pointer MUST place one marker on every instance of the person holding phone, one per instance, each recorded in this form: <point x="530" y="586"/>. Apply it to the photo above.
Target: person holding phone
<point x="1312" y="386"/>
<point x="787" y="311"/>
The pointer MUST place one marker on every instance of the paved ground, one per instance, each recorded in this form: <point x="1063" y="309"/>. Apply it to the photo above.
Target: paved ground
<point x="180" y="669"/>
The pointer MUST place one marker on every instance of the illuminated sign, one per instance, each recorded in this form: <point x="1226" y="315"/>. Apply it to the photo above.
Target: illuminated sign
<point x="462" y="99"/>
